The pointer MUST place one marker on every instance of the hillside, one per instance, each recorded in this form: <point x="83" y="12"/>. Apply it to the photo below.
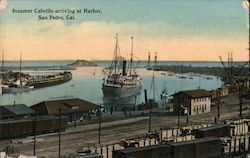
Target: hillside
<point x="81" y="63"/>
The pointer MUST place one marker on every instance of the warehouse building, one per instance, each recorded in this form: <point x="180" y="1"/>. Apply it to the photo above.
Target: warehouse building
<point x="192" y="102"/>
<point x="73" y="108"/>
<point x="15" y="111"/>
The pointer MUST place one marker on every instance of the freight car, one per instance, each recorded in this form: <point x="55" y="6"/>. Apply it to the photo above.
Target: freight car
<point x="10" y="129"/>
<point x="202" y="148"/>
<point x="220" y="130"/>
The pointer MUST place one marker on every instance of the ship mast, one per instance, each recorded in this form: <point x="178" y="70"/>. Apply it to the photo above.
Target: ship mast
<point x="2" y="69"/>
<point x="131" y="59"/>
<point x="115" y="56"/>
<point x="153" y="86"/>
<point x="20" y="68"/>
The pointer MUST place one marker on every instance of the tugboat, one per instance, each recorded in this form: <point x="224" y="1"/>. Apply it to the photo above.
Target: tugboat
<point x="121" y="81"/>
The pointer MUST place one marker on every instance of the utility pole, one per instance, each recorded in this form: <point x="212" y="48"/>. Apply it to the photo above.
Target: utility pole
<point x="150" y="116"/>
<point x="240" y="98"/>
<point x="218" y="103"/>
<point x="34" y="133"/>
<point x="100" y="121"/>
<point x="60" y="111"/>
<point x="178" y="124"/>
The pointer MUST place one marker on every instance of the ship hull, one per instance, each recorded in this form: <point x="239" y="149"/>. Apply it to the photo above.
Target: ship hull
<point x="51" y="81"/>
<point x="120" y="92"/>
<point x="16" y="90"/>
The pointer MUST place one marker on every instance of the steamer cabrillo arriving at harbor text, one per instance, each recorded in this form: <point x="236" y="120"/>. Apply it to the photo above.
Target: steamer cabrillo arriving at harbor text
<point x="121" y="80"/>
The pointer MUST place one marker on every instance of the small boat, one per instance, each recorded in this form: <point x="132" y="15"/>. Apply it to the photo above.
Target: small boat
<point x="164" y="92"/>
<point x="163" y="73"/>
<point x="150" y="104"/>
<point x="209" y="78"/>
<point x="191" y="78"/>
<point x="183" y="77"/>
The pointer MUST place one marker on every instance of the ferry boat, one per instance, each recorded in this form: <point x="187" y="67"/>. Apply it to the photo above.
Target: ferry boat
<point x="50" y="80"/>
<point x="25" y="82"/>
<point x="121" y="80"/>
<point x="17" y="82"/>
<point x="17" y="87"/>
<point x="20" y="84"/>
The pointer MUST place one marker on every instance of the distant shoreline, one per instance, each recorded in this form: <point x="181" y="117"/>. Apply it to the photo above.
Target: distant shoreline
<point x="72" y="60"/>
<point x="71" y="66"/>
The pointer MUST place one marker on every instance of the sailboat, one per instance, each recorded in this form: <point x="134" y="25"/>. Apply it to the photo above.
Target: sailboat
<point x="121" y="81"/>
<point x="164" y="92"/>
<point x="19" y="85"/>
<point x="153" y="89"/>
<point x="149" y="103"/>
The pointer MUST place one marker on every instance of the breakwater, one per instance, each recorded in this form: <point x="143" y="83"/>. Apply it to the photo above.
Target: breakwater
<point x="214" y="71"/>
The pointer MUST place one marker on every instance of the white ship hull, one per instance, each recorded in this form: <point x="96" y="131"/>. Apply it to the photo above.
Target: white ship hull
<point x="7" y="89"/>
<point x="117" y="92"/>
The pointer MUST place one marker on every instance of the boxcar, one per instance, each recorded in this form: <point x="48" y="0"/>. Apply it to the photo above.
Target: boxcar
<point x="221" y="130"/>
<point x="10" y="129"/>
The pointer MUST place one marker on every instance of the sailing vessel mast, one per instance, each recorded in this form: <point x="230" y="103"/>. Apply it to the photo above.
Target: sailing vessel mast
<point x="131" y="59"/>
<point x="114" y="64"/>
<point x="153" y="86"/>
<point x="20" y="68"/>
<point x="2" y="69"/>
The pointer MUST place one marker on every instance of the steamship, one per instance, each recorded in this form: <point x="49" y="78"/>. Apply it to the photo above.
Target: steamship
<point x="121" y="79"/>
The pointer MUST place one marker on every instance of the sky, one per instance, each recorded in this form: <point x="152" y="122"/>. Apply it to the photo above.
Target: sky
<point x="193" y="30"/>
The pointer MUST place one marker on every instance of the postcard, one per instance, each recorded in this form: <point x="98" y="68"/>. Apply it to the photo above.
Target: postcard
<point x="142" y="78"/>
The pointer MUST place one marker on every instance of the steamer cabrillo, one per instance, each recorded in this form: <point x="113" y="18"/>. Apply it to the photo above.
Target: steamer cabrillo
<point x="121" y="79"/>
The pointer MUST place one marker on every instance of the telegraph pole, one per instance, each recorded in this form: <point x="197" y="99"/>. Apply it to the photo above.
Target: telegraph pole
<point x="150" y="115"/>
<point x="34" y="132"/>
<point x="60" y="111"/>
<point x="218" y="103"/>
<point x="100" y="121"/>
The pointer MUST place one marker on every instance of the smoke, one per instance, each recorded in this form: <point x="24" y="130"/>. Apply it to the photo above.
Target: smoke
<point x="245" y="4"/>
<point x="3" y="4"/>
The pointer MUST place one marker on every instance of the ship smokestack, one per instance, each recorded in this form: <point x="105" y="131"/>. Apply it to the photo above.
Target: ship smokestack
<point x="124" y="64"/>
<point x="145" y="95"/>
<point x="148" y="59"/>
<point x="155" y="58"/>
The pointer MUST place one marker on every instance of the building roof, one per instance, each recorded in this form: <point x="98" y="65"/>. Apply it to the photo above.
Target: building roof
<point x="197" y="93"/>
<point x="5" y="112"/>
<point x="19" y="109"/>
<point x="66" y="105"/>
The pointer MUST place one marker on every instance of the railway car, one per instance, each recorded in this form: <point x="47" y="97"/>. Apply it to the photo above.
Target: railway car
<point x="220" y="130"/>
<point x="10" y="129"/>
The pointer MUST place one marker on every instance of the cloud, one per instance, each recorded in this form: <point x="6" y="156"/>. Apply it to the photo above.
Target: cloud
<point x="3" y="4"/>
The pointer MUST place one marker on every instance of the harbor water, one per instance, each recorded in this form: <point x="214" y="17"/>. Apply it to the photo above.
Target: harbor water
<point x="87" y="84"/>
